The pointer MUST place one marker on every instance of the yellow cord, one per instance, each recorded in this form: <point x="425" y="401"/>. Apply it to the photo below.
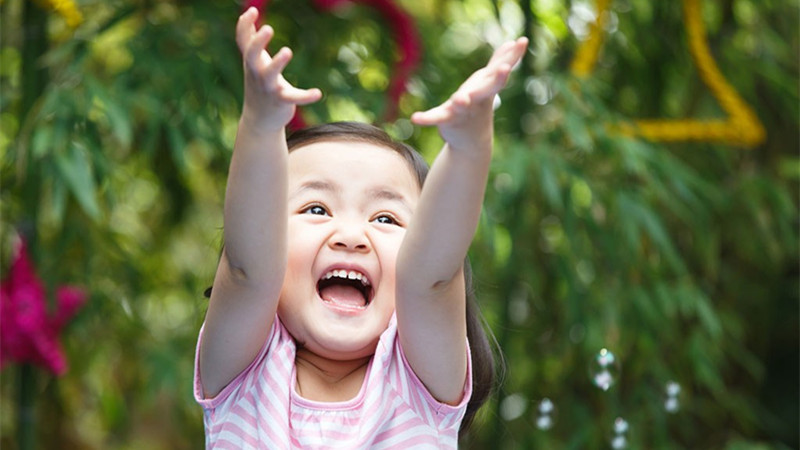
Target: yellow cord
<point x="587" y="54"/>
<point x="742" y="126"/>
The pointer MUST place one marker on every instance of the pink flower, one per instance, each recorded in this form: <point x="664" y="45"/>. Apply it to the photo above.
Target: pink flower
<point x="260" y="5"/>
<point x="27" y="333"/>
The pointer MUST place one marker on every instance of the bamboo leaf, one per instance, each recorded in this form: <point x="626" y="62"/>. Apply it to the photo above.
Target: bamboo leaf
<point x="548" y="179"/>
<point x="118" y="118"/>
<point x="577" y="131"/>
<point x="177" y="147"/>
<point x="654" y="227"/>
<point x="42" y="141"/>
<point x="646" y="305"/>
<point x="708" y="318"/>
<point x="705" y="369"/>
<point x="75" y="168"/>
<point x="59" y="200"/>
<point x="626" y="214"/>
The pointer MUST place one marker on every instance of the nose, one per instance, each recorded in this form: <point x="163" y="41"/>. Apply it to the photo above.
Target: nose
<point x="349" y="236"/>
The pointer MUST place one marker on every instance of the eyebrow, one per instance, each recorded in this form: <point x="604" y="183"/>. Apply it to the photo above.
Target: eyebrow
<point x="386" y="194"/>
<point x="378" y="193"/>
<point x="315" y="185"/>
<point x="390" y="195"/>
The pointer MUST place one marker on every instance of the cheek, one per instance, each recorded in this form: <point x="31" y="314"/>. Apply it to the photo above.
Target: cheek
<point x="302" y="250"/>
<point x="302" y="244"/>
<point x="387" y="246"/>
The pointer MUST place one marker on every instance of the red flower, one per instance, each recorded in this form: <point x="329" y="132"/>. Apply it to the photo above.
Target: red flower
<point x="27" y="333"/>
<point x="408" y="46"/>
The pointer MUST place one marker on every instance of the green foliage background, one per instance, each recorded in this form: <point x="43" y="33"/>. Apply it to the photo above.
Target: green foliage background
<point x="682" y="259"/>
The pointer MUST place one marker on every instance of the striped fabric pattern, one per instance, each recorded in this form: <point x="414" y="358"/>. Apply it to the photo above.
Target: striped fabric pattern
<point x="260" y="409"/>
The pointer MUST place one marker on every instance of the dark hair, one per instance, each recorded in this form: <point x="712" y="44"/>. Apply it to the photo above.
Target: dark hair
<point x="480" y="345"/>
<point x="483" y="362"/>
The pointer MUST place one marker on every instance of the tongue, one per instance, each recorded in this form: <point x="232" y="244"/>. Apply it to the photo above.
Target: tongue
<point x="343" y="295"/>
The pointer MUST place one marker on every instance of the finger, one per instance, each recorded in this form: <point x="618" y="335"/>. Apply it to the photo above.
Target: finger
<point x="491" y="79"/>
<point x="433" y="116"/>
<point x="484" y="84"/>
<point x="499" y="79"/>
<point x="460" y="100"/>
<point x="518" y="51"/>
<point x="509" y="53"/>
<point x="276" y="66"/>
<point x="300" y="96"/>
<point x="520" y="47"/>
<point x="500" y="53"/>
<point x="256" y="48"/>
<point x="423" y="119"/>
<point x="245" y="27"/>
<point x="456" y="104"/>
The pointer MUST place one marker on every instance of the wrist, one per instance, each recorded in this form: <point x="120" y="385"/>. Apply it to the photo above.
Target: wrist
<point x="475" y="147"/>
<point x="469" y="157"/>
<point x="259" y="121"/>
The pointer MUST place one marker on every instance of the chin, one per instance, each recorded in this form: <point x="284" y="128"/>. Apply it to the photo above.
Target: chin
<point x="345" y="350"/>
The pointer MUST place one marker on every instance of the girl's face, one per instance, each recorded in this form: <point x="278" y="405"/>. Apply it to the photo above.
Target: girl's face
<point x="349" y="206"/>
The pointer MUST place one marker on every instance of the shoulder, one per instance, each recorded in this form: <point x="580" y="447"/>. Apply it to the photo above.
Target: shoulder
<point x="275" y="358"/>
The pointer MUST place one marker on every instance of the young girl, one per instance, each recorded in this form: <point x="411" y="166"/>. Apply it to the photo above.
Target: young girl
<point x="346" y="325"/>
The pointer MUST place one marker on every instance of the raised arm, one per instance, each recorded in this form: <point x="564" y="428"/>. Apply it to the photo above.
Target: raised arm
<point x="430" y="279"/>
<point x="250" y="273"/>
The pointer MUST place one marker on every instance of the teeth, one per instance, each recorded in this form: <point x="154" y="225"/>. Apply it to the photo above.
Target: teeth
<point x="347" y="274"/>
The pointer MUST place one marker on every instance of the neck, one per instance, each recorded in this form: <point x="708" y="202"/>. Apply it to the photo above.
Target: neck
<point x="329" y="380"/>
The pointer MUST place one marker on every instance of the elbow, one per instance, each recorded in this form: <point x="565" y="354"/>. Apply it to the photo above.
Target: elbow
<point x="425" y="279"/>
<point x="236" y="270"/>
<point x="238" y="273"/>
<point x="251" y="273"/>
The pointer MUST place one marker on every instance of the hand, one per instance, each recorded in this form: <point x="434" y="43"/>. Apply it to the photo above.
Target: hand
<point x="465" y="119"/>
<point x="269" y="100"/>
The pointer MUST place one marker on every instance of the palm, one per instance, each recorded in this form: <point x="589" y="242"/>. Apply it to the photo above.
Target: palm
<point x="466" y="117"/>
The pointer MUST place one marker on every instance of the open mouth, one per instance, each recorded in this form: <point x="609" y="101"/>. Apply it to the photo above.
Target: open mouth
<point x="345" y="288"/>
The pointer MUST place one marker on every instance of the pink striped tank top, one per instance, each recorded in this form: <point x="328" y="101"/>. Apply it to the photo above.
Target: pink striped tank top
<point x="260" y="409"/>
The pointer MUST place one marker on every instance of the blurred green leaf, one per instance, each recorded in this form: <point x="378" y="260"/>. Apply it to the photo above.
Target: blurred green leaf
<point x="118" y="118"/>
<point x="548" y="177"/>
<point x="708" y="317"/>
<point x="177" y="147"/>
<point x="75" y="169"/>
<point x="41" y="144"/>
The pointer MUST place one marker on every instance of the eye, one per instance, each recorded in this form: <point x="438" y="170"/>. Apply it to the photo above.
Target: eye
<point x="386" y="219"/>
<point x="316" y="210"/>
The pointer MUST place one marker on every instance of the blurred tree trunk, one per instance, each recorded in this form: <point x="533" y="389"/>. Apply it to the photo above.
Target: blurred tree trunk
<point x="34" y="79"/>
